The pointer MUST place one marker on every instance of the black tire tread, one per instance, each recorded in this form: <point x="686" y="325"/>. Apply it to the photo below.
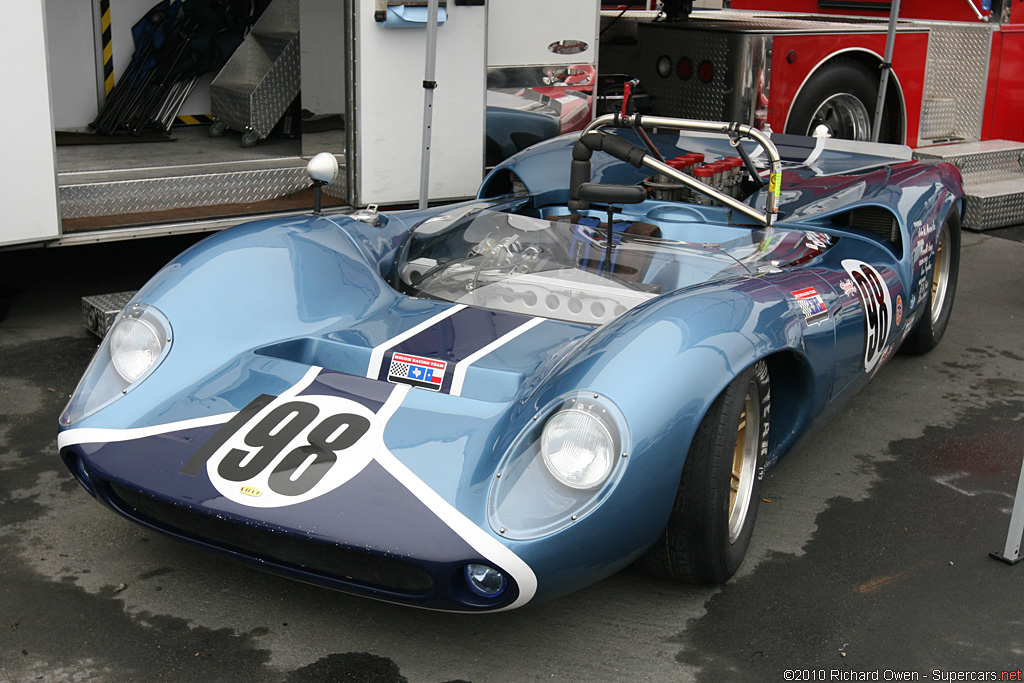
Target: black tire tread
<point x="686" y="550"/>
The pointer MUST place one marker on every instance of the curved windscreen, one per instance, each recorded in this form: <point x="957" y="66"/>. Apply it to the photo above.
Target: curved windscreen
<point x="562" y="268"/>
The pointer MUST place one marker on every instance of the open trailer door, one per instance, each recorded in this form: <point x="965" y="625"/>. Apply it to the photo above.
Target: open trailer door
<point x="28" y="177"/>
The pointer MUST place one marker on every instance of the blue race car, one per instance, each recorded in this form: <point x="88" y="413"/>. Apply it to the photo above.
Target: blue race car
<point x="497" y="402"/>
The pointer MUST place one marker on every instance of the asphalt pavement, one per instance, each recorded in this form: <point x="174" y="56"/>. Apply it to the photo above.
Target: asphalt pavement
<point x="870" y="560"/>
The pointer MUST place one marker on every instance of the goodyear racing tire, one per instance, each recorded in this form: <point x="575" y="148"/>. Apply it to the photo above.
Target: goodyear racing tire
<point x="842" y="95"/>
<point x="712" y="518"/>
<point x="937" y="308"/>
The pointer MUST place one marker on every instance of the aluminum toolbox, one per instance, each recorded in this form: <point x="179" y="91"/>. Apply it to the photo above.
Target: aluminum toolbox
<point x="261" y="78"/>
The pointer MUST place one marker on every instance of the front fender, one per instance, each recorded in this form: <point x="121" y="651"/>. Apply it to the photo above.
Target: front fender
<point x="663" y="364"/>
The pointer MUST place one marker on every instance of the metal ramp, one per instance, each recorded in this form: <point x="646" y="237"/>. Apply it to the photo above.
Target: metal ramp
<point x="993" y="174"/>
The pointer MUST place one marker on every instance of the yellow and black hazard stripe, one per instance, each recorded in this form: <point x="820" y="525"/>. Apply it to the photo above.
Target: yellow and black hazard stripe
<point x="108" y="47"/>
<point x="194" y="119"/>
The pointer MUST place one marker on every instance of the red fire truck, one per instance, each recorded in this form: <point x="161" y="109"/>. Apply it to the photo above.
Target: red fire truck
<point x="793" y="65"/>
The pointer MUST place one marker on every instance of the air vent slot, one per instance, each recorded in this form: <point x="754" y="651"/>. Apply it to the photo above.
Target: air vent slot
<point x="876" y="220"/>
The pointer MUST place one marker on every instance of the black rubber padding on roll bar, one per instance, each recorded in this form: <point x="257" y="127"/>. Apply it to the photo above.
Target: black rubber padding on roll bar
<point x="584" y="149"/>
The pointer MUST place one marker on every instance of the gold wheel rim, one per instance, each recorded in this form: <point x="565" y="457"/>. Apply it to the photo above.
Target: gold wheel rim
<point x="744" y="464"/>
<point x="940" y="273"/>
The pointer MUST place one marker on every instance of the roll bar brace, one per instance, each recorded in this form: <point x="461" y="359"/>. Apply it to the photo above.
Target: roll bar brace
<point x="593" y="139"/>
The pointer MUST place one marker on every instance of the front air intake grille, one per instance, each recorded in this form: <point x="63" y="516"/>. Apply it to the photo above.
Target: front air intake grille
<point x="329" y="561"/>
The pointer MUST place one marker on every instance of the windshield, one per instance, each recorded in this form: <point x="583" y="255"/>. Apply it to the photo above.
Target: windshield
<point x="561" y="268"/>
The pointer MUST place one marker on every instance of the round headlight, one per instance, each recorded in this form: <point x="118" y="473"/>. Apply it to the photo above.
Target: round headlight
<point x="135" y="345"/>
<point x="578" y="448"/>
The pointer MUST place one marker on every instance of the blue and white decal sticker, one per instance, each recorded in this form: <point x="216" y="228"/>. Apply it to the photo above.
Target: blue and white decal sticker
<point x="437" y="353"/>
<point x="878" y="313"/>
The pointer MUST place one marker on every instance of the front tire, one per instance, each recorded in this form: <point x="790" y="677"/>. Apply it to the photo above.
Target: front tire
<point x="938" y="307"/>
<point x="712" y="519"/>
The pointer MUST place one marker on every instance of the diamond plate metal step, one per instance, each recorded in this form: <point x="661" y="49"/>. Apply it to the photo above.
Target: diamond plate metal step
<point x="993" y="175"/>
<point x="126" y="191"/>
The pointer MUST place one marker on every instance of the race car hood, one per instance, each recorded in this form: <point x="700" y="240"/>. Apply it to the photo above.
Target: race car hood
<point x="372" y="432"/>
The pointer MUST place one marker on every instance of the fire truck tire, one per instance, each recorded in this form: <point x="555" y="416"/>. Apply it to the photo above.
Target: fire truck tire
<point x="842" y="96"/>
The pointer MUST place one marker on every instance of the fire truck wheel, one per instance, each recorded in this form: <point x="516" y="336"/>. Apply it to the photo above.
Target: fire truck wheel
<point x="841" y="96"/>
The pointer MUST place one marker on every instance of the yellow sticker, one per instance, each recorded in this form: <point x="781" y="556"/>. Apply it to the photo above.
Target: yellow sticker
<point x="251" y="491"/>
<point x="775" y="184"/>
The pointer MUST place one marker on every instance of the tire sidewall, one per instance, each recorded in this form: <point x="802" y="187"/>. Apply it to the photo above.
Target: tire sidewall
<point x="841" y="76"/>
<point x="928" y="332"/>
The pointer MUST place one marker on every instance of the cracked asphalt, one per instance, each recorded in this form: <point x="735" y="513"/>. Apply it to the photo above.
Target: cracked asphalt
<point x="871" y="553"/>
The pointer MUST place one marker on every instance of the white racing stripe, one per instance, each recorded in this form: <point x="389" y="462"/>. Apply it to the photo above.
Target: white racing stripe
<point x="481" y="541"/>
<point x="377" y="354"/>
<point x="459" y="376"/>
<point x="71" y="437"/>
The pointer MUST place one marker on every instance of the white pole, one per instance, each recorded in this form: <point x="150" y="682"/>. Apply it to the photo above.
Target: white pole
<point x="1011" y="551"/>
<point x="428" y="100"/>
<point x="890" y="40"/>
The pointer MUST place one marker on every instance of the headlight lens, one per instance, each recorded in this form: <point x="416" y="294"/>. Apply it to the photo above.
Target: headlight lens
<point x="578" y="448"/>
<point x="134" y="346"/>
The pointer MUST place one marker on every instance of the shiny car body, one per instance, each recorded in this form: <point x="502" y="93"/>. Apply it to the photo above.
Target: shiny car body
<point x="479" y="406"/>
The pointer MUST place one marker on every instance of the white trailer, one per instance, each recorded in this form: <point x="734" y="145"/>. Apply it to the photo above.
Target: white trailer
<point x="361" y="96"/>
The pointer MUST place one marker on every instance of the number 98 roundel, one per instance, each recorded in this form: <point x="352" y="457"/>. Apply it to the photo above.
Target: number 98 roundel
<point x="874" y="296"/>
<point x="295" y="449"/>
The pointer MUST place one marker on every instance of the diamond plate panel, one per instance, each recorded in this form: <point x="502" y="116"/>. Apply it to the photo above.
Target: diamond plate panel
<point x="124" y="196"/>
<point x="999" y="205"/>
<point x="980" y="162"/>
<point x="99" y="311"/>
<point x="261" y="78"/>
<point x="957" y="70"/>
<point x="938" y="119"/>
<point x="678" y="94"/>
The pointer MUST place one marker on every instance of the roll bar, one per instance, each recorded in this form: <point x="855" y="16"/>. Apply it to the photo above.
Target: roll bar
<point x="638" y="157"/>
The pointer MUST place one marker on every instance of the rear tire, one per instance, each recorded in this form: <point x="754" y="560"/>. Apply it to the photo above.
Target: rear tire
<point x="937" y="308"/>
<point x="712" y="519"/>
<point x="842" y="95"/>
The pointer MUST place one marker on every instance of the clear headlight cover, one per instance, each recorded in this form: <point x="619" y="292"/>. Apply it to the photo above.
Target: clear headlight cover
<point x="561" y="467"/>
<point x="135" y="345"/>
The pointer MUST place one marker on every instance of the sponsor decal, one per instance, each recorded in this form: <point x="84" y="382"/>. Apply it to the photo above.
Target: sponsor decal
<point x="812" y="305"/>
<point x="899" y="309"/>
<point x="849" y="289"/>
<point x="426" y="373"/>
<point x="458" y="334"/>
<point x="251" y="491"/>
<point x="818" y="240"/>
<point x="878" y="309"/>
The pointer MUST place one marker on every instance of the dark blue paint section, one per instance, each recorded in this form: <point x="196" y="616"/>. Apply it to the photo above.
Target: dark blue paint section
<point x="367" y="392"/>
<point x="373" y="513"/>
<point x="455" y="338"/>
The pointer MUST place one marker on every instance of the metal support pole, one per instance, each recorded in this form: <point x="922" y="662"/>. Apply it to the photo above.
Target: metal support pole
<point x="428" y="100"/>
<point x="1011" y="553"/>
<point x="890" y="41"/>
